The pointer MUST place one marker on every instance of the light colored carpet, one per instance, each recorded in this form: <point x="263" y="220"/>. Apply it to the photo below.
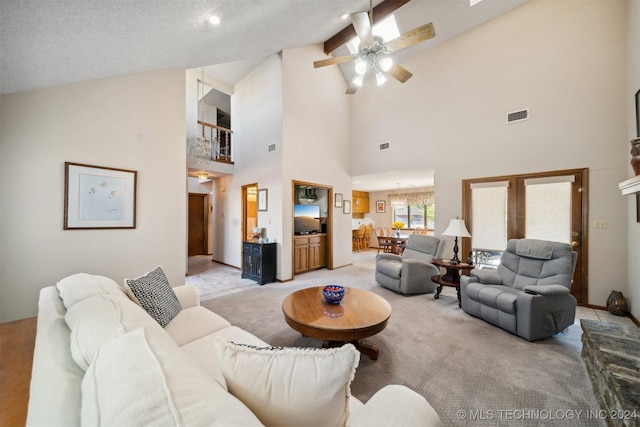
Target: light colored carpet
<point x="463" y="366"/>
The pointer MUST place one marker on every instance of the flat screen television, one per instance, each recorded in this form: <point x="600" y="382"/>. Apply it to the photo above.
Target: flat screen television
<point x="306" y="219"/>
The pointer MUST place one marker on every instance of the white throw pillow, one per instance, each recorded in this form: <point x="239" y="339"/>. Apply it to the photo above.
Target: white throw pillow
<point x="81" y="286"/>
<point x="97" y="320"/>
<point x="154" y="293"/>
<point x="291" y="386"/>
<point x="93" y="322"/>
<point x="135" y="382"/>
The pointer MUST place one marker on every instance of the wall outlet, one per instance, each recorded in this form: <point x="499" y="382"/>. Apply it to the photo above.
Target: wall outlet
<point x="600" y="223"/>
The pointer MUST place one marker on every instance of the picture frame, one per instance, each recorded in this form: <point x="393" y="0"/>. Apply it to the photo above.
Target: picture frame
<point x="638" y="113"/>
<point x="263" y="200"/>
<point x="381" y="206"/>
<point x="346" y="207"/>
<point x="99" y="197"/>
<point x="338" y="202"/>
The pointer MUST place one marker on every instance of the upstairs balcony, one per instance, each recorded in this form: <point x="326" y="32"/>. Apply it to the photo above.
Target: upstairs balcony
<point x="214" y="145"/>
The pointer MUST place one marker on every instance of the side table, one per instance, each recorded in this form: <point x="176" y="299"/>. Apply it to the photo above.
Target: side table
<point x="451" y="277"/>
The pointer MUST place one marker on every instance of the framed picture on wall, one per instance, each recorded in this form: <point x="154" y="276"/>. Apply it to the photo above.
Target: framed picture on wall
<point x="98" y="197"/>
<point x="338" y="203"/>
<point x="346" y="207"/>
<point x="380" y="206"/>
<point x="638" y="113"/>
<point x="262" y="200"/>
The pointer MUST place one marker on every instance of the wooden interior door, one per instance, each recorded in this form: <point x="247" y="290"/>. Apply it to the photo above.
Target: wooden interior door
<point x="249" y="210"/>
<point x="197" y="224"/>
<point x="569" y="210"/>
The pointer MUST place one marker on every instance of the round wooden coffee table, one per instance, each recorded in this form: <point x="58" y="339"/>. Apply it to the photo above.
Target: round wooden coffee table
<point x="360" y="315"/>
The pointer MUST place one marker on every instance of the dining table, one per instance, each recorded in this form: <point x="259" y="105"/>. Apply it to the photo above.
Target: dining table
<point x="397" y="242"/>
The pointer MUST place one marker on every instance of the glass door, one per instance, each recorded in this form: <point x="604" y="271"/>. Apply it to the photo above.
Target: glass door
<point x="546" y="206"/>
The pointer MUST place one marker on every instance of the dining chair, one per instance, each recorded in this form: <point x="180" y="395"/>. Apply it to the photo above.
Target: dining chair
<point x="383" y="244"/>
<point x="360" y="237"/>
<point x="367" y="236"/>
<point x="387" y="230"/>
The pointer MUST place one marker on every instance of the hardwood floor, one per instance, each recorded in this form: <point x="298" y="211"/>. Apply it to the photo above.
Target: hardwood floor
<point x="17" y="340"/>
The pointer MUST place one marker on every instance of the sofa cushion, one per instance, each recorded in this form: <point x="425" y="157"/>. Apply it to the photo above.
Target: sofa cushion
<point x="291" y="386"/>
<point x="155" y="295"/>
<point x="78" y="287"/>
<point x="132" y="381"/>
<point x="203" y="350"/>
<point x="500" y="297"/>
<point x="193" y="323"/>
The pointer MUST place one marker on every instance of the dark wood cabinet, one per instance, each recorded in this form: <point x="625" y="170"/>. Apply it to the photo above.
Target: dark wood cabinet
<point x="259" y="261"/>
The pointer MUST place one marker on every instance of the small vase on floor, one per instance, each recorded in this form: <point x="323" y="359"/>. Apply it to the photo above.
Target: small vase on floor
<point x="616" y="304"/>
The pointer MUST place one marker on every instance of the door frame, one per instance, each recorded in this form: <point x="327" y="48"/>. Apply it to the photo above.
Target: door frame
<point x="516" y="221"/>
<point x="243" y="228"/>
<point x="329" y="221"/>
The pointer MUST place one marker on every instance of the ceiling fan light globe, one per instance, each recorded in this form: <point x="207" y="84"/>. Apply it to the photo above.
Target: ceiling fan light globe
<point x="385" y="63"/>
<point x="358" y="80"/>
<point x="380" y="78"/>
<point x="361" y="67"/>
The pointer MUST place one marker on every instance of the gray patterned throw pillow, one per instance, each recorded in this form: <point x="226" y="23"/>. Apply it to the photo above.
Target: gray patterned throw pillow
<point x="154" y="293"/>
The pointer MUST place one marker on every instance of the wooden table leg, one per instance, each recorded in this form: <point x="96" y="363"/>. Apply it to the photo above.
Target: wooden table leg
<point x="363" y="347"/>
<point x="367" y="349"/>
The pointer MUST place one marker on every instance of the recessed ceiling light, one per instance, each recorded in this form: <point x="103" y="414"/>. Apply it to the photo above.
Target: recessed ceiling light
<point x="213" y="19"/>
<point x="345" y="16"/>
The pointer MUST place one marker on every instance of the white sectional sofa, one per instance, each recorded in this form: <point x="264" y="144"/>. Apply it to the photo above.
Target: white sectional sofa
<point x="101" y="359"/>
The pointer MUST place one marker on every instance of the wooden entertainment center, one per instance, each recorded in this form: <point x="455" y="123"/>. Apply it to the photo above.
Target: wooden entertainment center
<point x="309" y="252"/>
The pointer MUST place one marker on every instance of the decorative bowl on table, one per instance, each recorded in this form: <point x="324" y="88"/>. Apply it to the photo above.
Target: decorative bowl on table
<point x="333" y="294"/>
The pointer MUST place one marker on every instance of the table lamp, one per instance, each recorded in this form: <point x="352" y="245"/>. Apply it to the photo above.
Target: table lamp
<point x="458" y="229"/>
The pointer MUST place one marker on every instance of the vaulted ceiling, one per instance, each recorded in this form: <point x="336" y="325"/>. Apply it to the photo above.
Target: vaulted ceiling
<point x="54" y="42"/>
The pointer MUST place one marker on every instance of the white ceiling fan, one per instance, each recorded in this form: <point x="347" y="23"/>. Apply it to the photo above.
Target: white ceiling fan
<point x="374" y="54"/>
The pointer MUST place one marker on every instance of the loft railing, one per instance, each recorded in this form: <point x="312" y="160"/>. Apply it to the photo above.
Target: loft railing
<point x="214" y="145"/>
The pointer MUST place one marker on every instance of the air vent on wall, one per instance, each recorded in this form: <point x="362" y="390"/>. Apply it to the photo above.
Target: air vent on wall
<point x="384" y="146"/>
<point x="518" y="116"/>
<point x="271" y="148"/>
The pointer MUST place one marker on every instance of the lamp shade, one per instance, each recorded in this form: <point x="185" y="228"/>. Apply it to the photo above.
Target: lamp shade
<point x="456" y="228"/>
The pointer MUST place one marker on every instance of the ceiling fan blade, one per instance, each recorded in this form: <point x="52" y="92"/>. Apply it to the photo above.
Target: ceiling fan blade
<point x="331" y="61"/>
<point x="412" y="37"/>
<point x="399" y="73"/>
<point x="362" y="25"/>
<point x="352" y="88"/>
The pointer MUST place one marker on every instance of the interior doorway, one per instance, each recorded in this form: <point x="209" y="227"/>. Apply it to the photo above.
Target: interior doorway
<point x="312" y="218"/>
<point x="249" y="210"/>
<point x="198" y="224"/>
<point x="547" y="206"/>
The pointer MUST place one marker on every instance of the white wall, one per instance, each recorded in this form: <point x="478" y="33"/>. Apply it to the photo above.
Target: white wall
<point x="134" y="122"/>
<point x="563" y="60"/>
<point x="257" y="122"/>
<point x="633" y="85"/>
<point x="316" y="142"/>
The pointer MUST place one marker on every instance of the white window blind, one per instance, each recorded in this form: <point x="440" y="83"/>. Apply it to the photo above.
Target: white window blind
<point x="489" y="215"/>
<point x="541" y="221"/>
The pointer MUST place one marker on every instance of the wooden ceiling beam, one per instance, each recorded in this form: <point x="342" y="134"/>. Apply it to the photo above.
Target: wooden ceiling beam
<point x="381" y="11"/>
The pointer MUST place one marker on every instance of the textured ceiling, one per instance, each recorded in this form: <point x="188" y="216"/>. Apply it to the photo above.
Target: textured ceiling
<point x="51" y="42"/>
<point x="46" y="43"/>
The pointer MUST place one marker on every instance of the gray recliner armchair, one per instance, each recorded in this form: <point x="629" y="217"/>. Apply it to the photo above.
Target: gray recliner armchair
<point x="528" y="295"/>
<point x="411" y="272"/>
